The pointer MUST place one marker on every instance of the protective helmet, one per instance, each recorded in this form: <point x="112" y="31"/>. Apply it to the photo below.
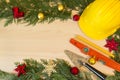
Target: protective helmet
<point x="100" y="19"/>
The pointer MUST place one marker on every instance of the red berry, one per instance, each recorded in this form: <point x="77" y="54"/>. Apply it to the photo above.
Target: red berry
<point x="74" y="70"/>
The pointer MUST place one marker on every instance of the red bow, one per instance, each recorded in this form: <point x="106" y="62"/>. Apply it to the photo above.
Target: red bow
<point x="17" y="13"/>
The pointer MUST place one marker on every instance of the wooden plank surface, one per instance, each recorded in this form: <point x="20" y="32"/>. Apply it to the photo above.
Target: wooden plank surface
<point x="46" y="41"/>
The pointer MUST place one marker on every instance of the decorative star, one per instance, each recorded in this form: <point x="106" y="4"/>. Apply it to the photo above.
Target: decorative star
<point x="49" y="68"/>
<point x="112" y="44"/>
<point x="21" y="69"/>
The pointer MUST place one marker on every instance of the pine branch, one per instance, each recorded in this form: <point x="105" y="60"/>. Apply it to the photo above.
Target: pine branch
<point x="7" y="76"/>
<point x="32" y="8"/>
<point x="38" y="71"/>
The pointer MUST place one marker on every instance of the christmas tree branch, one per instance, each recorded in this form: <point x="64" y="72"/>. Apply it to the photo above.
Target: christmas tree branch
<point x="58" y="69"/>
<point x="7" y="76"/>
<point x="29" y="10"/>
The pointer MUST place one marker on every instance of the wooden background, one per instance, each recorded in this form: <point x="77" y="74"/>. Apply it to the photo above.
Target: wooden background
<point x="43" y="41"/>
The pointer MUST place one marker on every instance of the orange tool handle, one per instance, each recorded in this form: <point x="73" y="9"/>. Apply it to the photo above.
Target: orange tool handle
<point x="93" y="53"/>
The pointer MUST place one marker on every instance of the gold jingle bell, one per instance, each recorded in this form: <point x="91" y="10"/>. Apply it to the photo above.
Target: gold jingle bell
<point x="41" y="16"/>
<point x="100" y="19"/>
<point x="92" y="61"/>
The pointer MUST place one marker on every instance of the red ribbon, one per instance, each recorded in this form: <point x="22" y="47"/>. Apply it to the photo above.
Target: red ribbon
<point x="17" y="13"/>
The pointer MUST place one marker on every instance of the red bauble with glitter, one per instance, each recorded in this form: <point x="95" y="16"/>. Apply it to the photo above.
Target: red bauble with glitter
<point x="74" y="70"/>
<point x="76" y="17"/>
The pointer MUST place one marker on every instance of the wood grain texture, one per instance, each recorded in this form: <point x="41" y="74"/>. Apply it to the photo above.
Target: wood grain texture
<point x="46" y="41"/>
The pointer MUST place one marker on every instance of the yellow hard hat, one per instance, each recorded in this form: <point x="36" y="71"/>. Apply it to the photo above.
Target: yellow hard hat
<point x="100" y="19"/>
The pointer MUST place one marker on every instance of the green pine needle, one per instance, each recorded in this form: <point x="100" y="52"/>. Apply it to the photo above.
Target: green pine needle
<point x="32" y="8"/>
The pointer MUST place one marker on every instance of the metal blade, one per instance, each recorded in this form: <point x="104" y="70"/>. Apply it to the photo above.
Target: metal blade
<point x="75" y="57"/>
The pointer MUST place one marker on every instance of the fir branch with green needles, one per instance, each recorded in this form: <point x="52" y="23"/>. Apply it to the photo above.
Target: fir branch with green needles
<point x="58" y="69"/>
<point x="31" y="9"/>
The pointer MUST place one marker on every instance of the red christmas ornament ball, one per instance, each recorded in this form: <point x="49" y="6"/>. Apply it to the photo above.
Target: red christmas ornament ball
<point x="76" y="17"/>
<point x="74" y="70"/>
